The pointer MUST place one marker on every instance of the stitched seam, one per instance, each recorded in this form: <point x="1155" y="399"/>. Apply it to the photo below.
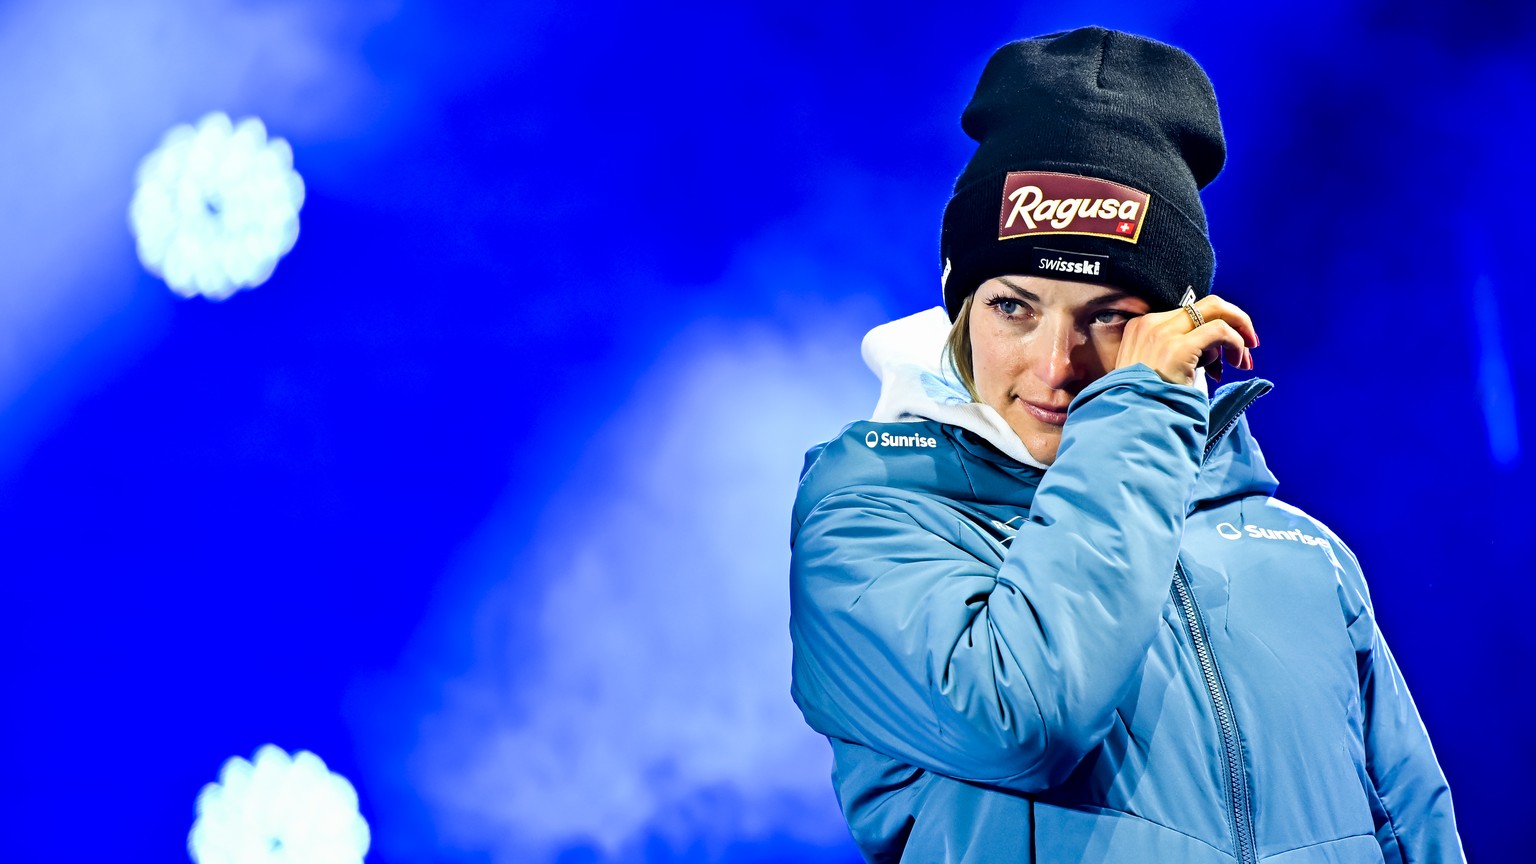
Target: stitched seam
<point x="1098" y="69"/>
<point x="960" y="458"/>
<point x="1321" y="843"/>
<point x="1130" y="815"/>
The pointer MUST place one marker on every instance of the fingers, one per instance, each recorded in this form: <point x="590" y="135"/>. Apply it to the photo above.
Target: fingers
<point x="1174" y="347"/>
<point x="1219" y="347"/>
<point x="1212" y="308"/>
<point x="1219" y="338"/>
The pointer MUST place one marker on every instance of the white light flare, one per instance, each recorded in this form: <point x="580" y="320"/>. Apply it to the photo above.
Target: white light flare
<point x="278" y="810"/>
<point x="217" y="205"/>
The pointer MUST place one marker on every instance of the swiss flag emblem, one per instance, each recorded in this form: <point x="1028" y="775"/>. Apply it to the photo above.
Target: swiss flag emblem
<point x="1125" y="228"/>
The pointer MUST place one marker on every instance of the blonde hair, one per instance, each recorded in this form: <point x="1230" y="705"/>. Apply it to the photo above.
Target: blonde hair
<point x="957" y="348"/>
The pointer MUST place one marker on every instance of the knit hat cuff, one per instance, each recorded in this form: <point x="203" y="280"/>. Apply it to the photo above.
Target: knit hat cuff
<point x="1169" y="250"/>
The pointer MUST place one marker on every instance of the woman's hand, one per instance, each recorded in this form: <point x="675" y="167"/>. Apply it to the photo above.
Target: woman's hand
<point x="1174" y="347"/>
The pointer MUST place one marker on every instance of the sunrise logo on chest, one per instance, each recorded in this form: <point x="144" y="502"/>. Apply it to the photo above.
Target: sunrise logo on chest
<point x="1047" y="202"/>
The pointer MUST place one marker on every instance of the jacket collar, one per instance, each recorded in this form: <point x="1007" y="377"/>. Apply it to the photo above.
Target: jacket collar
<point x="916" y="383"/>
<point x="1233" y="464"/>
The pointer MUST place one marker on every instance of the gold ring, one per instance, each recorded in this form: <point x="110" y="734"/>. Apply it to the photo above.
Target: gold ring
<point x="1195" y="317"/>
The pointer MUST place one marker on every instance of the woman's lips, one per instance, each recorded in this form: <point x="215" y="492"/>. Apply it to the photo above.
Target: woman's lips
<point x="1049" y="414"/>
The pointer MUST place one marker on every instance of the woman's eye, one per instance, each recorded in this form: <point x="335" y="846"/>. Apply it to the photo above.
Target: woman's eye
<point x="1111" y="316"/>
<point x="1006" y="305"/>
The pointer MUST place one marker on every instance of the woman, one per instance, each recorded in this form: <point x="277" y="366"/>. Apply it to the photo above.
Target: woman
<point x="1044" y="605"/>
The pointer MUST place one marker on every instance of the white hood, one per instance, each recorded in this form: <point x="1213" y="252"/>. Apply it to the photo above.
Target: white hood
<point x="916" y="384"/>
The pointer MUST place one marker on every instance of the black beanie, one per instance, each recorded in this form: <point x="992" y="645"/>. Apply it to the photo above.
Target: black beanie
<point x="1092" y="149"/>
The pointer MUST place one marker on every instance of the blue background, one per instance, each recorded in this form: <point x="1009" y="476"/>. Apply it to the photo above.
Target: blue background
<point x="483" y="497"/>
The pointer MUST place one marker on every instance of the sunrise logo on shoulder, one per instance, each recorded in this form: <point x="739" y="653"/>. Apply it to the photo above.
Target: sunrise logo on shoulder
<point x="1046" y="202"/>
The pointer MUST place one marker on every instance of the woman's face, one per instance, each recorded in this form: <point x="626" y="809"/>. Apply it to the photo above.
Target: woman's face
<point x="1036" y="342"/>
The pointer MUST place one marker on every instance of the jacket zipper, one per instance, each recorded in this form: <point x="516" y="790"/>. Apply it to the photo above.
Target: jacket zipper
<point x="1239" y="809"/>
<point x="1255" y="388"/>
<point x="1237" y="787"/>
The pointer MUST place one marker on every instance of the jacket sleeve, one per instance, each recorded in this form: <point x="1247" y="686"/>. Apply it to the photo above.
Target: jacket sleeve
<point x="1411" y="802"/>
<point x="912" y="646"/>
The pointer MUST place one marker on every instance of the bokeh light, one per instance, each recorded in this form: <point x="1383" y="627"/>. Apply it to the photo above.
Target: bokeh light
<point x="278" y="809"/>
<point x="216" y="205"/>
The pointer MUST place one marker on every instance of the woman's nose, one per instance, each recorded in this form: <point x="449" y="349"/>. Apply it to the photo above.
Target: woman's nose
<point x="1054" y="365"/>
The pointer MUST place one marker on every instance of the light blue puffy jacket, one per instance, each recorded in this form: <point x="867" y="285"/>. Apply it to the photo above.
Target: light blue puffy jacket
<point x="1138" y="655"/>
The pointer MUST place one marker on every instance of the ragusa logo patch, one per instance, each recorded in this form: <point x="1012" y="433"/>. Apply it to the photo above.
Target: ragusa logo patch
<point x="1049" y="202"/>
<point x="886" y="439"/>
